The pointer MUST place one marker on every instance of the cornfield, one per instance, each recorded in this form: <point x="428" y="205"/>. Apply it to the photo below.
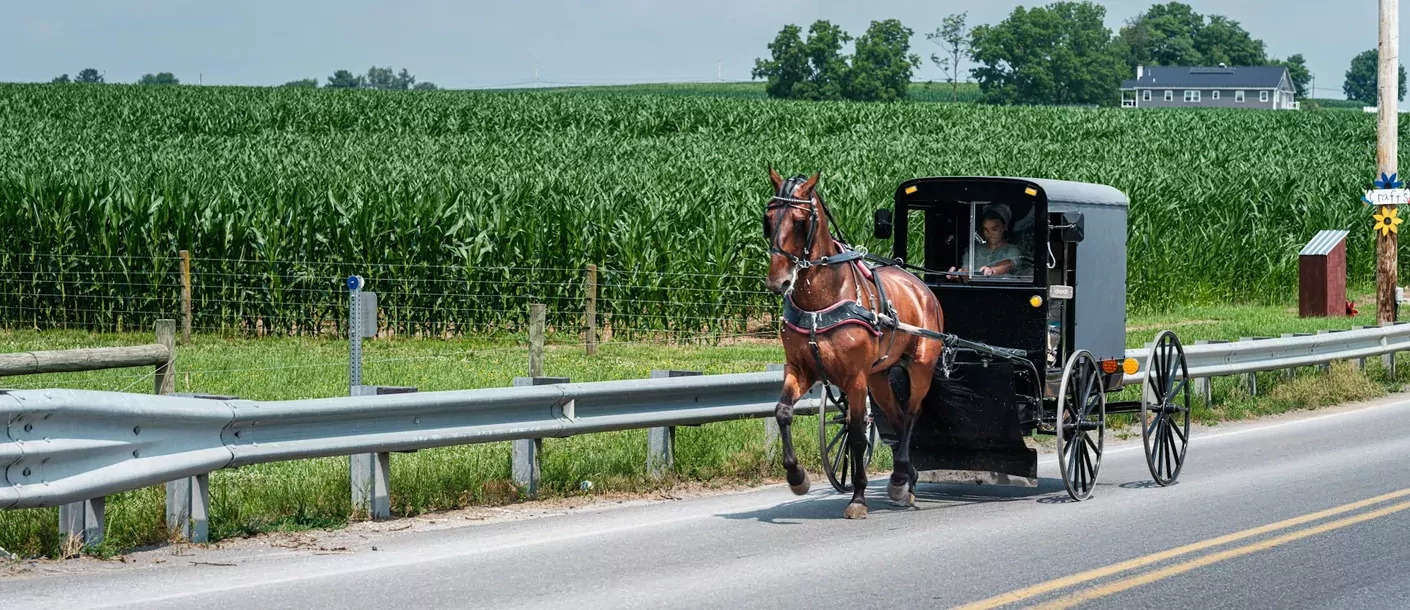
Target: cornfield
<point x="461" y="207"/>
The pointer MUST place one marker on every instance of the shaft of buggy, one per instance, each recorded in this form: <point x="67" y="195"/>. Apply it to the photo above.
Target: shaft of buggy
<point x="949" y="339"/>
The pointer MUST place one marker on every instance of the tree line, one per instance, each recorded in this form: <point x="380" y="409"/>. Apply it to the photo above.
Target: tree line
<point x="375" y="78"/>
<point x="1060" y="53"/>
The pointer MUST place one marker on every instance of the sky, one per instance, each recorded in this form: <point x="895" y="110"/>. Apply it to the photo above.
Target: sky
<point x="479" y="44"/>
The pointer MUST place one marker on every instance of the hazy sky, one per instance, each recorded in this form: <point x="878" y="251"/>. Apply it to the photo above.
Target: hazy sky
<point x="481" y="43"/>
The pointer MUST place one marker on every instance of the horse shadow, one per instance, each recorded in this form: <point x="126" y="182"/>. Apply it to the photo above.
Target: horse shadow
<point x="828" y="504"/>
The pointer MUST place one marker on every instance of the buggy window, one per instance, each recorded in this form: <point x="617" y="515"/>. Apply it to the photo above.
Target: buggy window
<point x="982" y="241"/>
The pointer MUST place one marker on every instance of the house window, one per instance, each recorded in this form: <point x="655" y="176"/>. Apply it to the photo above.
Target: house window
<point x="1146" y="95"/>
<point x="1169" y="95"/>
<point x="1214" y="95"/>
<point x="1239" y="97"/>
<point x="1191" y="96"/>
<point x="1262" y="96"/>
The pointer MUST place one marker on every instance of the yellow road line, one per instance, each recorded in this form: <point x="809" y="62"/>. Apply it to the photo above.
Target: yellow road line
<point x="1116" y="568"/>
<point x="1180" y="568"/>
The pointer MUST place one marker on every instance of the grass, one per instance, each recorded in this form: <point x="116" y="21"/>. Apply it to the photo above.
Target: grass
<point x="920" y="91"/>
<point x="313" y="493"/>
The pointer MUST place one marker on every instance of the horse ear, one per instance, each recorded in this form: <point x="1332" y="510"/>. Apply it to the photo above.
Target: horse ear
<point x="777" y="179"/>
<point x="806" y="190"/>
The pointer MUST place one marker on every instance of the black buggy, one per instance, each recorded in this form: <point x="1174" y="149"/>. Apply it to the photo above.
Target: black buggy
<point x="1043" y="341"/>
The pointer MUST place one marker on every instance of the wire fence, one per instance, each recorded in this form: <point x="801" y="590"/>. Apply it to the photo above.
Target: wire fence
<point x="244" y="297"/>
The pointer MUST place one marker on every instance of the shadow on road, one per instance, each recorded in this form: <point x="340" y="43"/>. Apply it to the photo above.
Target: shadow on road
<point x="828" y="504"/>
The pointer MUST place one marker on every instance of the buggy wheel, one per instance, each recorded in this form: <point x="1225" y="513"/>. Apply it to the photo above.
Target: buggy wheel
<point x="833" y="437"/>
<point x="1165" y="408"/>
<point x="1081" y="411"/>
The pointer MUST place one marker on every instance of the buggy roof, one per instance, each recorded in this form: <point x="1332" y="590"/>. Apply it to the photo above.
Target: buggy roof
<point x="1077" y="194"/>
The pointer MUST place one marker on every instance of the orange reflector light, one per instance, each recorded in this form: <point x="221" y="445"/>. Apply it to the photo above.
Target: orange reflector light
<point x="1130" y="366"/>
<point x="1031" y="192"/>
<point x="1109" y="366"/>
<point x="910" y="189"/>
<point x="1035" y="300"/>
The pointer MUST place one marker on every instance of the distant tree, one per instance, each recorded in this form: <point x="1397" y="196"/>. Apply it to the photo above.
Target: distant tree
<point x="425" y="86"/>
<point x="1224" y="41"/>
<point x="88" y="75"/>
<point x="306" y="83"/>
<point x="1298" y="72"/>
<point x="882" y="65"/>
<point x="385" y="78"/>
<point x="827" y="66"/>
<point x="1362" y="78"/>
<point x="788" y="65"/>
<point x="404" y="80"/>
<point x="160" y="78"/>
<point x="61" y="79"/>
<point x="1164" y="35"/>
<point x="342" y="79"/>
<point x="1058" y="54"/>
<point x="953" y="37"/>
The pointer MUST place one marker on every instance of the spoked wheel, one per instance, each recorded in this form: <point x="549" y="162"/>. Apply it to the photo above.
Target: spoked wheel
<point x="1165" y="408"/>
<point x="833" y="437"/>
<point x="1081" y="422"/>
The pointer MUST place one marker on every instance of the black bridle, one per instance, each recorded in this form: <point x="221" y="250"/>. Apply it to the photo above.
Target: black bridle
<point x="782" y="201"/>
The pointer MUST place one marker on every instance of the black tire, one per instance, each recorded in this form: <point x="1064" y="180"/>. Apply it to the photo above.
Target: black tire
<point x="1165" y="408"/>
<point x="1081" y="410"/>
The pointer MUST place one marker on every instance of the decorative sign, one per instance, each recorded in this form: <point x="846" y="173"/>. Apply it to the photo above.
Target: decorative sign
<point x="1388" y="191"/>
<point x="1387" y="222"/>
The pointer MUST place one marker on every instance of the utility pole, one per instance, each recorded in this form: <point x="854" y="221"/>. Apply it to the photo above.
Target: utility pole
<point x="1387" y="107"/>
<point x="719" y="70"/>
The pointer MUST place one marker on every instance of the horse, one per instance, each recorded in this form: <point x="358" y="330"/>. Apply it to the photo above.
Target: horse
<point x="876" y="330"/>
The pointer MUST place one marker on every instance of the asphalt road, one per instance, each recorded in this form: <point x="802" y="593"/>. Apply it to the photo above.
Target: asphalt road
<point x="1310" y="512"/>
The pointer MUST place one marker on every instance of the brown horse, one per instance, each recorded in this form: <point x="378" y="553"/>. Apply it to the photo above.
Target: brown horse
<point x="842" y="340"/>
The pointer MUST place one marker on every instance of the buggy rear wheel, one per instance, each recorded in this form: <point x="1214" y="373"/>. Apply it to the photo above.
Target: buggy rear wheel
<point x="1165" y="408"/>
<point x="1081" y="411"/>
<point x="833" y="438"/>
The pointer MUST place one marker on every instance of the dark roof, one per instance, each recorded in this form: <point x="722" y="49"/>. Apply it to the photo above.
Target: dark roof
<point x="1201" y="77"/>
<point x="1057" y="191"/>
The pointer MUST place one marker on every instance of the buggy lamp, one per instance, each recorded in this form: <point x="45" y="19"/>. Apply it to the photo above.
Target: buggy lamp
<point x="1035" y="300"/>
<point x="1110" y="366"/>
<point x="1130" y="366"/>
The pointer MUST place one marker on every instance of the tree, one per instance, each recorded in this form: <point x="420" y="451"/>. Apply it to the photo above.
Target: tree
<point x="1058" y="54"/>
<point x="1224" y="41"/>
<point x="342" y="79"/>
<point x="953" y="37"/>
<point x="88" y="75"/>
<point x="160" y="78"/>
<point x="385" y="78"/>
<point x="1163" y="36"/>
<point x="814" y="69"/>
<point x="425" y="86"/>
<point x="305" y="83"/>
<point x="1362" y="78"/>
<point x="62" y="79"/>
<point x="881" y="68"/>
<point x="1298" y="72"/>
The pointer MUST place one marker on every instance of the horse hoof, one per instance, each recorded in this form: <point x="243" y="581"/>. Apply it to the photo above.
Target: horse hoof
<point x="801" y="488"/>
<point x="898" y="493"/>
<point x="855" y="511"/>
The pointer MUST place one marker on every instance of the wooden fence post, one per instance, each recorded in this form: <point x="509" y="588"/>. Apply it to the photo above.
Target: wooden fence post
<point x="185" y="297"/>
<point x="537" y="312"/>
<point x="590" y="308"/>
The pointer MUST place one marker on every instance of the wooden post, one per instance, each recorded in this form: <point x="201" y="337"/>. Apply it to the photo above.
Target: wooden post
<point x="537" y="312"/>
<point x="590" y="308"/>
<point x="166" y="371"/>
<point x="185" y="297"/>
<point x="1387" y="107"/>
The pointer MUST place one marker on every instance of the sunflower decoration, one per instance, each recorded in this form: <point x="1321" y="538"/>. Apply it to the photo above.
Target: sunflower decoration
<point x="1387" y="220"/>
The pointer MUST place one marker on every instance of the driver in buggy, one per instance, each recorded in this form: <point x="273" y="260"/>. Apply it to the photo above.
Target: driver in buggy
<point x="994" y="255"/>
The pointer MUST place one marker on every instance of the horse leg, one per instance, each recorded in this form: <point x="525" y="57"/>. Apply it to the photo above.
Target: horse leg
<point x="902" y="487"/>
<point x="885" y="395"/>
<point x="795" y="382"/>
<point x="856" y="391"/>
<point x="920" y="374"/>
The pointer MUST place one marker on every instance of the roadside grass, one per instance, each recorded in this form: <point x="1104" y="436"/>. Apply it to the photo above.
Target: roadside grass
<point x="307" y="494"/>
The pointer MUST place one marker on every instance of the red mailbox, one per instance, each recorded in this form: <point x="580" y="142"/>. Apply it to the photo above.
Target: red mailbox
<point x="1321" y="276"/>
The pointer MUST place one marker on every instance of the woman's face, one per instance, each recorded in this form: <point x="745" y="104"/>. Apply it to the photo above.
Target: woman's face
<point x="993" y="230"/>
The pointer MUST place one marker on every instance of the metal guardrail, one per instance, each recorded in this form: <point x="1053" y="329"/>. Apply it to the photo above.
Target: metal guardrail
<point x="66" y="446"/>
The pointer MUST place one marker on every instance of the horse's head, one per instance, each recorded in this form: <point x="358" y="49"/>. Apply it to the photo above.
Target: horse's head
<point x="792" y="224"/>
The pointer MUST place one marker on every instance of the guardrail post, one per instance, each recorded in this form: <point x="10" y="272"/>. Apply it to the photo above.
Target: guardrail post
<point x="370" y="474"/>
<point x="1204" y="386"/>
<point x="1388" y="359"/>
<point x="770" y="423"/>
<point x="82" y="520"/>
<point x="525" y="465"/>
<point x="1252" y="376"/>
<point x="661" y="442"/>
<point x="188" y="505"/>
